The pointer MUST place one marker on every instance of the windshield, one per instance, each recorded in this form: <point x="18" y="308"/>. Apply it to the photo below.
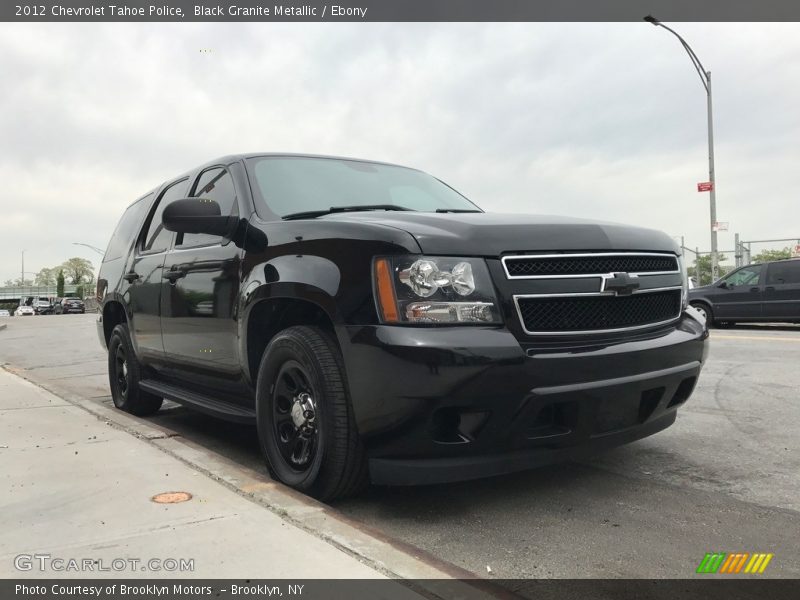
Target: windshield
<point x="289" y="185"/>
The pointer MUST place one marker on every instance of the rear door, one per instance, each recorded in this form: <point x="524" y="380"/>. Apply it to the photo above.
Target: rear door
<point x="782" y="291"/>
<point x="741" y="298"/>
<point x="145" y="277"/>
<point x="199" y="303"/>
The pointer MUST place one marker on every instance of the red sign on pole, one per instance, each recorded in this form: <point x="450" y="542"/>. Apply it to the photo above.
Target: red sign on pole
<point x="705" y="186"/>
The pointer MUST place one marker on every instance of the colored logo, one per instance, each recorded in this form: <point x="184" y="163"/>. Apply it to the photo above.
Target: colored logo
<point x="734" y="562"/>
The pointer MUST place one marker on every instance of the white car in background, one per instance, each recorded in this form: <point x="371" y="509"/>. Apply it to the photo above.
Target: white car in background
<point x="24" y="311"/>
<point x="4" y="313"/>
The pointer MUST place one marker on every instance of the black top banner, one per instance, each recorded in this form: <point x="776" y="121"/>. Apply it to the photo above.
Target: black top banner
<point x="399" y="10"/>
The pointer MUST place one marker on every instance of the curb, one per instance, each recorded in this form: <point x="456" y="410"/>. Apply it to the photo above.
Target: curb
<point x="390" y="557"/>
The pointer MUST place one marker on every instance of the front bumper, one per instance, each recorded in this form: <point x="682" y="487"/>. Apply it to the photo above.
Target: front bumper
<point x="448" y="404"/>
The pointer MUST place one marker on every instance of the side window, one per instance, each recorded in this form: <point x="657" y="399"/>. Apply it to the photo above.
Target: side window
<point x="214" y="184"/>
<point x="784" y="272"/>
<point x="157" y="238"/>
<point x="123" y="237"/>
<point x="746" y="276"/>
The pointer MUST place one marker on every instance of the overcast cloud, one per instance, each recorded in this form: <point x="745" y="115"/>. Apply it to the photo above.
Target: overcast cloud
<point x="594" y="120"/>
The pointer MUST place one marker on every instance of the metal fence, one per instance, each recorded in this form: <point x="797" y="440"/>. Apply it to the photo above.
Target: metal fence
<point x="14" y="293"/>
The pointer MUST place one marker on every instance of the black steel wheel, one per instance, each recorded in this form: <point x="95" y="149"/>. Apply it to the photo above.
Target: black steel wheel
<point x="294" y="412"/>
<point x="124" y="375"/>
<point x="305" y="418"/>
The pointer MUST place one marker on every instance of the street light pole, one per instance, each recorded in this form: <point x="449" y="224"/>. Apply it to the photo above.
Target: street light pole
<point x="705" y="77"/>
<point x="95" y="248"/>
<point x="712" y="178"/>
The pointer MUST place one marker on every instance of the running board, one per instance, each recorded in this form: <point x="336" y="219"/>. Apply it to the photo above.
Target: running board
<point x="205" y="404"/>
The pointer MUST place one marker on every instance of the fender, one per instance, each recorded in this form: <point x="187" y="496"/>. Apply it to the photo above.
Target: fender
<point x="311" y="279"/>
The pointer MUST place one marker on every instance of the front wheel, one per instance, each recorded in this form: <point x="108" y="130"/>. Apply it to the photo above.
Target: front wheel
<point x="305" y="418"/>
<point x="705" y="311"/>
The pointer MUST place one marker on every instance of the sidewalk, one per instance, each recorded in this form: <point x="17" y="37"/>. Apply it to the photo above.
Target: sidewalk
<point x="74" y="486"/>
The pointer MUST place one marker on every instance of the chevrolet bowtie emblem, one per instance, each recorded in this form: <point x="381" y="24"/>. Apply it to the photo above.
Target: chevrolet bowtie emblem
<point x="622" y="284"/>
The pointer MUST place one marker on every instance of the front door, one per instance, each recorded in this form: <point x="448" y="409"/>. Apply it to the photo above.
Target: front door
<point x="738" y="295"/>
<point x="782" y="291"/>
<point x="199" y="302"/>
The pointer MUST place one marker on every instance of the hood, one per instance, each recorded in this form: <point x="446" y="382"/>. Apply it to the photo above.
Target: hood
<point x="700" y="290"/>
<point x="493" y="234"/>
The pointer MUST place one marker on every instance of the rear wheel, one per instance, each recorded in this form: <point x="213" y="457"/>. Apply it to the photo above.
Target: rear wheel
<point x="124" y="375"/>
<point x="305" y="418"/>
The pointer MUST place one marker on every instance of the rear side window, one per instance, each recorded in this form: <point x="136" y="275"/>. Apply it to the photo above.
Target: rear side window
<point x="214" y="184"/>
<point x="128" y="226"/>
<point x="157" y="239"/>
<point x="784" y="272"/>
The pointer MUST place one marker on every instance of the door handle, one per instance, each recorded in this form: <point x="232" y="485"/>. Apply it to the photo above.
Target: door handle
<point x="769" y="288"/>
<point x="131" y="276"/>
<point x="174" y="274"/>
<point x="755" y="289"/>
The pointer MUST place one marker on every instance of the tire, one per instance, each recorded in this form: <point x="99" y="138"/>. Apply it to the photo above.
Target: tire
<point x="706" y="311"/>
<point x="301" y="378"/>
<point x="124" y="375"/>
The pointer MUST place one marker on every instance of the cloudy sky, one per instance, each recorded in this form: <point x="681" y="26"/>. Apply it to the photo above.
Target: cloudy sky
<point x="602" y="121"/>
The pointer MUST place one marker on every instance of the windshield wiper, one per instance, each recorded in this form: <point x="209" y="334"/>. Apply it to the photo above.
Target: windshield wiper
<point x="458" y="210"/>
<point x="313" y="214"/>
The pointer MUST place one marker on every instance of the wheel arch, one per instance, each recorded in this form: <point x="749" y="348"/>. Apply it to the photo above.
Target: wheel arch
<point x="266" y="317"/>
<point x="114" y="314"/>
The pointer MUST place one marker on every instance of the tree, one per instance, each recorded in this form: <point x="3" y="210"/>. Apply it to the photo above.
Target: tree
<point x="60" y="283"/>
<point x="704" y="262"/>
<point x="46" y="277"/>
<point x="79" y="292"/>
<point x="768" y="255"/>
<point x="8" y="283"/>
<point x="79" y="270"/>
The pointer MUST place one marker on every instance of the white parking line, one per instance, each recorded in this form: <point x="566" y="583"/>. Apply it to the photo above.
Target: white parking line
<point x="715" y="336"/>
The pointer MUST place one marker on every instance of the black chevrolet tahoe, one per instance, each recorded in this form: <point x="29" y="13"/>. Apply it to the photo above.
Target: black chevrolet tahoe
<point x="374" y="324"/>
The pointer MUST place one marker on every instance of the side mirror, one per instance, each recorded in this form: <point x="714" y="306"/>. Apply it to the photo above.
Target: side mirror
<point x="723" y="284"/>
<point x="197" y="215"/>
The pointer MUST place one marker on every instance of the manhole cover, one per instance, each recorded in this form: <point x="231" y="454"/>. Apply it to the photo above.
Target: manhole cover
<point x="171" y="497"/>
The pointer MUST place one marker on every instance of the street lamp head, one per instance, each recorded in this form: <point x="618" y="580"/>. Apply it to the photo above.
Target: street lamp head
<point x="652" y="20"/>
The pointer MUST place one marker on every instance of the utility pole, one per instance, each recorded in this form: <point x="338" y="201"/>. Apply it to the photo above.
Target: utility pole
<point x="22" y="272"/>
<point x="705" y="77"/>
<point x="711" y="178"/>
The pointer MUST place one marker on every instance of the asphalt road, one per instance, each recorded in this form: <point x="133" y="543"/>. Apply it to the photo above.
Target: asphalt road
<point x="724" y="478"/>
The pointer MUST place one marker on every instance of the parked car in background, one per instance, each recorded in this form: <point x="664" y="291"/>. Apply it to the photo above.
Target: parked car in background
<point x="24" y="311"/>
<point x="43" y="306"/>
<point x="69" y="305"/>
<point x="4" y="313"/>
<point x="766" y="292"/>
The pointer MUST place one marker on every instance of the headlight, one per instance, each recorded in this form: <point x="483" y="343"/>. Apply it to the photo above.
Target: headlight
<point x="434" y="290"/>
<point x="684" y="283"/>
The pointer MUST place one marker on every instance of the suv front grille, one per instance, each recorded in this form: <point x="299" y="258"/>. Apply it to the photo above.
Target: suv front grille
<point x="577" y="265"/>
<point x="597" y="312"/>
